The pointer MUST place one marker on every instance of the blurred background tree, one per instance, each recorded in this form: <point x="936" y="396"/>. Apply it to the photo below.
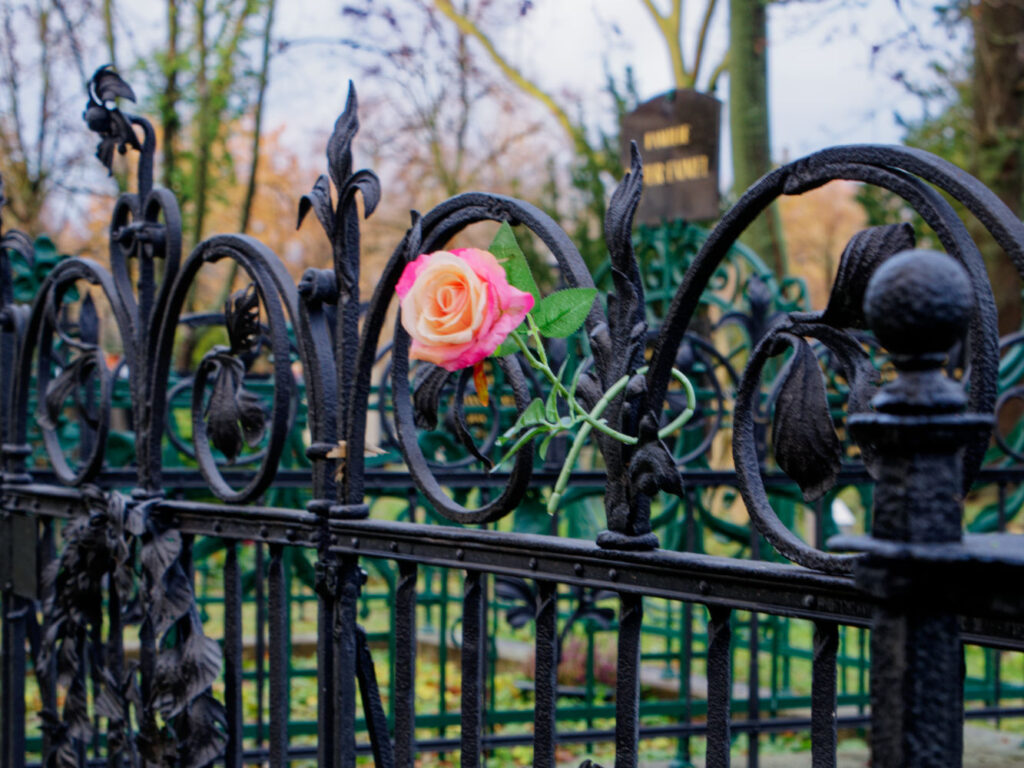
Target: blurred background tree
<point x="974" y="117"/>
<point x="447" y="105"/>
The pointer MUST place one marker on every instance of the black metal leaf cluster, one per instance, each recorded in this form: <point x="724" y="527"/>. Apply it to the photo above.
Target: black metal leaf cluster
<point x="96" y="549"/>
<point x="187" y="661"/>
<point x="103" y="117"/>
<point x="242" y="318"/>
<point x="234" y="414"/>
<point x="71" y="382"/>
<point x="428" y="385"/>
<point x="866" y="252"/>
<point x="99" y="554"/>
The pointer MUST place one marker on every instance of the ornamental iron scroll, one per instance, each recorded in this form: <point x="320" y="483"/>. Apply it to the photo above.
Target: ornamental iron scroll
<point x="127" y="560"/>
<point x="805" y="441"/>
<point x="806" y="444"/>
<point x="146" y="302"/>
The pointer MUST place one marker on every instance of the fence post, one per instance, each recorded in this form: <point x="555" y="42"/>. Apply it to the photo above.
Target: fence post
<point x="918" y="304"/>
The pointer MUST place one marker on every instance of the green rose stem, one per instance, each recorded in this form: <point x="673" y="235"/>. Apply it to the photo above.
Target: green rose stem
<point x="581" y="437"/>
<point x="541" y="364"/>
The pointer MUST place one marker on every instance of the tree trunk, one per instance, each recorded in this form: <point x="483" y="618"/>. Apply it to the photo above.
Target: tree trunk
<point x="998" y="102"/>
<point x="748" y="121"/>
<point x="169" y="103"/>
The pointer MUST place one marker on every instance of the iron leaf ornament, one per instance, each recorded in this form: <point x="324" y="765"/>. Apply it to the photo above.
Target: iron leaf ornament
<point x="337" y="222"/>
<point x="242" y="319"/>
<point x="103" y="117"/>
<point x="235" y="416"/>
<point x="866" y="252"/>
<point x="806" y="445"/>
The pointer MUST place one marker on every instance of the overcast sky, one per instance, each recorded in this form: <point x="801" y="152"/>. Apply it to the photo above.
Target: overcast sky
<point x="826" y="86"/>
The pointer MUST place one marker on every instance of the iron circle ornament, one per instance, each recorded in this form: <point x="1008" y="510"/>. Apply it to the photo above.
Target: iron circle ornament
<point x="271" y="289"/>
<point x="430" y="233"/>
<point x="84" y="366"/>
<point x="913" y="175"/>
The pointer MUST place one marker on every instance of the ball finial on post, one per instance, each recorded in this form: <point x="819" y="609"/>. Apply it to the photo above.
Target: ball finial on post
<point x="919" y="303"/>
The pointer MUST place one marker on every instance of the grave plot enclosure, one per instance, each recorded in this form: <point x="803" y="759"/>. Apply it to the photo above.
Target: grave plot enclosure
<point x="150" y="609"/>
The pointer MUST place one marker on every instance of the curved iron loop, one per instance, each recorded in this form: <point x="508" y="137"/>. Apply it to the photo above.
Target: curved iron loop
<point x="44" y="324"/>
<point x="232" y="411"/>
<point x="426" y="234"/>
<point x="431" y="232"/>
<point x="903" y="172"/>
<point x="12" y="327"/>
<point x="807" y="447"/>
<point x="617" y="341"/>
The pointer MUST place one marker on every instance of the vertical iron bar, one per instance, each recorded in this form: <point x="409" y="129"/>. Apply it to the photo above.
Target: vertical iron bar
<point x="373" y="710"/>
<point x="686" y="660"/>
<point x="115" y="661"/>
<point x="627" y="681"/>
<point x="6" y="714"/>
<point x="997" y="661"/>
<point x="754" y="672"/>
<point x="753" y="692"/>
<point x="326" y="606"/>
<point x="685" y="671"/>
<point x="862" y="668"/>
<point x="14" y="612"/>
<point x="474" y="656"/>
<point x="546" y="675"/>
<point x="47" y="680"/>
<point x="442" y="648"/>
<point x="233" y="656"/>
<point x="823" y="695"/>
<point x="405" y="666"/>
<point x="719" y="687"/>
<point x="346" y="659"/>
<point x="278" y="659"/>
<point x="261" y="646"/>
<point x="918" y="430"/>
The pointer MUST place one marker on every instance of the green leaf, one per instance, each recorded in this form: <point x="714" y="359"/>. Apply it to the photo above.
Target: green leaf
<point x="531" y="416"/>
<point x="543" y="450"/>
<point x="561" y="314"/>
<point x="508" y="253"/>
<point x="527" y="437"/>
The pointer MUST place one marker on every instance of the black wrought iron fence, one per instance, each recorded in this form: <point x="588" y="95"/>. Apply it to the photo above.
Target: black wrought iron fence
<point x="98" y="566"/>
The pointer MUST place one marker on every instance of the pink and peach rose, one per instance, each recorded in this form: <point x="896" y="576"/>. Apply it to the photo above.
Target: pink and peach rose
<point x="458" y="306"/>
